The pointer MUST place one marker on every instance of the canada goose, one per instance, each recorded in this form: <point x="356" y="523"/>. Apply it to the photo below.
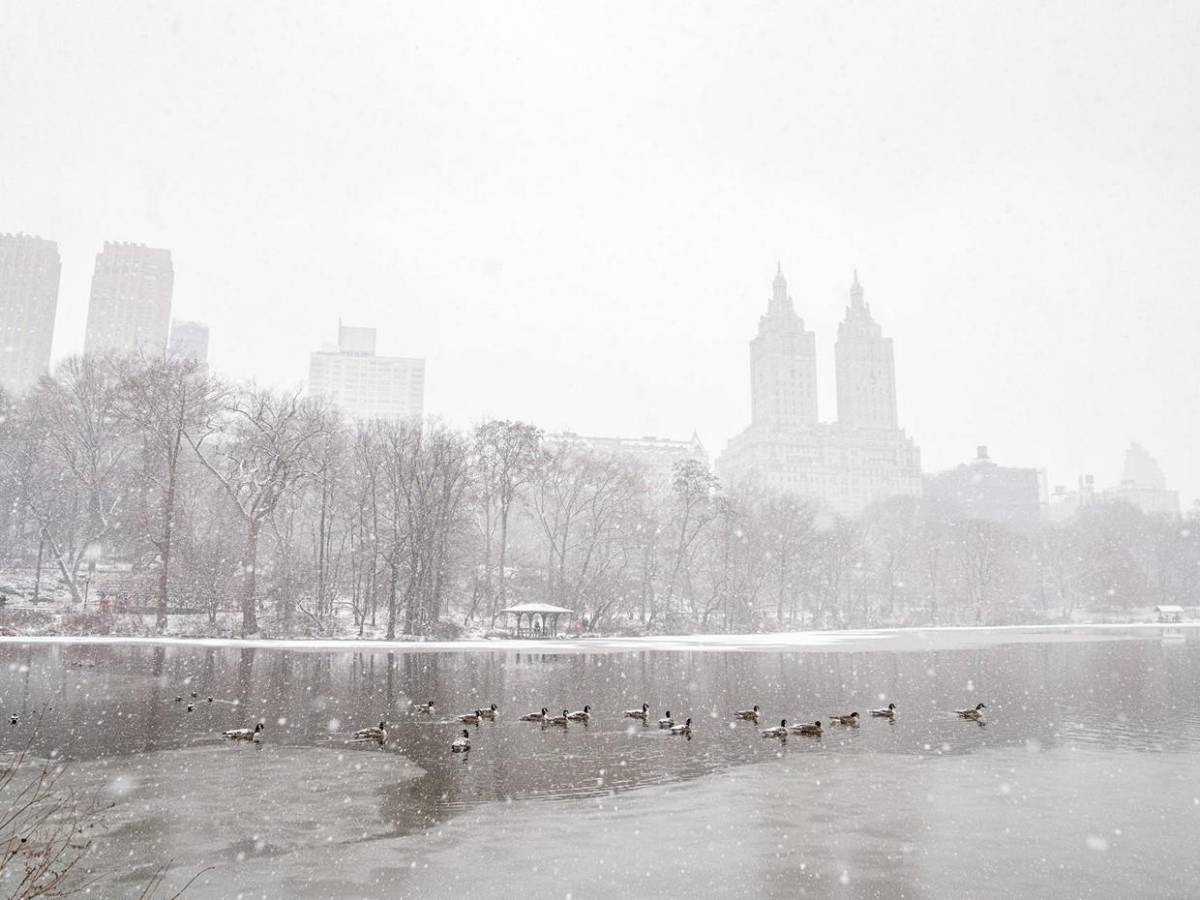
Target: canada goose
<point x="471" y="718"/>
<point x="490" y="712"/>
<point x="581" y="715"/>
<point x="638" y="713"/>
<point x="191" y="707"/>
<point x="245" y="734"/>
<point x="12" y="720"/>
<point x="888" y="712"/>
<point x="535" y="717"/>
<point x="462" y="743"/>
<point x="777" y="732"/>
<point x="666" y="721"/>
<point x="685" y="728"/>
<point x="812" y="729"/>
<point x="558" y="720"/>
<point x="851" y="720"/>
<point x="377" y="733"/>
<point x="194" y="695"/>
<point x="210" y="699"/>
<point x="750" y="715"/>
<point x="179" y="698"/>
<point x="976" y="714"/>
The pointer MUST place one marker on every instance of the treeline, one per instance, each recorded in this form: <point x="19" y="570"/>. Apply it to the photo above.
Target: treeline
<point x="235" y="499"/>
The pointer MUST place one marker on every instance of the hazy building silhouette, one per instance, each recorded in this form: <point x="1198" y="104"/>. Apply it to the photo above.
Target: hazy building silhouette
<point x="862" y="458"/>
<point x="657" y="456"/>
<point x="365" y="386"/>
<point x="130" y="307"/>
<point x="783" y="364"/>
<point x="29" y="275"/>
<point x="189" y="340"/>
<point x="1144" y="485"/>
<point x="1063" y="503"/>
<point x="1007" y="495"/>
<point x="866" y="370"/>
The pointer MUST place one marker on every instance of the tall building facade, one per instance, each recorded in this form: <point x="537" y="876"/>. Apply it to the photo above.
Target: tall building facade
<point x="29" y="275"/>
<point x="365" y="386"/>
<point x="189" y="340"/>
<point x="863" y="457"/>
<point x="866" y="369"/>
<point x="130" y="308"/>
<point x="783" y="364"/>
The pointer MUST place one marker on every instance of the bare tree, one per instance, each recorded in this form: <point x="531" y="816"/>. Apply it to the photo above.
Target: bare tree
<point x="164" y="400"/>
<point x="506" y="455"/>
<point x="69" y="461"/>
<point x="262" y="451"/>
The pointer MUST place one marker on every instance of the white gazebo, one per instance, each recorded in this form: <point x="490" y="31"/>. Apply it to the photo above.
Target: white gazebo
<point x="536" y="619"/>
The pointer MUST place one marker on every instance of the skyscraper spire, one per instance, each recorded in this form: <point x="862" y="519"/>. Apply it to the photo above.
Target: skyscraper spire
<point x="856" y="291"/>
<point x="779" y="286"/>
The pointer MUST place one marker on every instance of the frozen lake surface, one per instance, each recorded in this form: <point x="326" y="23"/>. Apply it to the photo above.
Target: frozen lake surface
<point x="1085" y="781"/>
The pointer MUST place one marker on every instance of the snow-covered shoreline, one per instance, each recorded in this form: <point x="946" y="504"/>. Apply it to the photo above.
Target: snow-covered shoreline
<point x="883" y="638"/>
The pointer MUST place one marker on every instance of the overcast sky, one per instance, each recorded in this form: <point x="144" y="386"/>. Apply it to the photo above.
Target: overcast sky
<point x="574" y="212"/>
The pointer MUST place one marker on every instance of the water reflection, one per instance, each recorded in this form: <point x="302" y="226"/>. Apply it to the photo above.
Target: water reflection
<point x="109" y="702"/>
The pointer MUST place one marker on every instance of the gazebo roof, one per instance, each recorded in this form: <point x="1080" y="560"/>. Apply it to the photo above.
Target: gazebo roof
<point x="543" y="608"/>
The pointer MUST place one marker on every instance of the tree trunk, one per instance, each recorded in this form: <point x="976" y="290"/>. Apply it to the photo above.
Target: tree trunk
<point x="391" y="618"/>
<point x="37" y="575"/>
<point x="249" y="609"/>
<point x="503" y="562"/>
<point x="164" y="550"/>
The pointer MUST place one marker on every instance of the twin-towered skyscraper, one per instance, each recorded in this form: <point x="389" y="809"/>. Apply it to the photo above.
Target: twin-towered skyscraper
<point x="861" y="458"/>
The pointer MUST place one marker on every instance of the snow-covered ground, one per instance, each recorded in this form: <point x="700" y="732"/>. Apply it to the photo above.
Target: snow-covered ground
<point x="948" y="637"/>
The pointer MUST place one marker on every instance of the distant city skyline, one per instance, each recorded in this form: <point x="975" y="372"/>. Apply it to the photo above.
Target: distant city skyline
<point x="874" y="407"/>
<point x="584" y="252"/>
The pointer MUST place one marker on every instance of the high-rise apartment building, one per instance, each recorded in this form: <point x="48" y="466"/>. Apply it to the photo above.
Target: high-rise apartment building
<point x="862" y="458"/>
<point x="29" y="274"/>
<point x="783" y="364"/>
<point x="366" y="386"/>
<point x="866" y="370"/>
<point x="130" y="308"/>
<point x="189" y="340"/>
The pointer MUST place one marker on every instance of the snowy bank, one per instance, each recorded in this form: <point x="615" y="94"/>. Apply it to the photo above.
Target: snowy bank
<point x="947" y="637"/>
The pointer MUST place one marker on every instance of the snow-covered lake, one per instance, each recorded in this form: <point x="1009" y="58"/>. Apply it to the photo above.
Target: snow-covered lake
<point x="1085" y="781"/>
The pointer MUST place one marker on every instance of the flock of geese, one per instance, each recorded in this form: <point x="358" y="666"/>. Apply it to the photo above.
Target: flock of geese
<point x="378" y="734"/>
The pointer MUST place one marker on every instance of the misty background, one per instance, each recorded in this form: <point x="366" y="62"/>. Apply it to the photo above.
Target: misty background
<point x="574" y="214"/>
